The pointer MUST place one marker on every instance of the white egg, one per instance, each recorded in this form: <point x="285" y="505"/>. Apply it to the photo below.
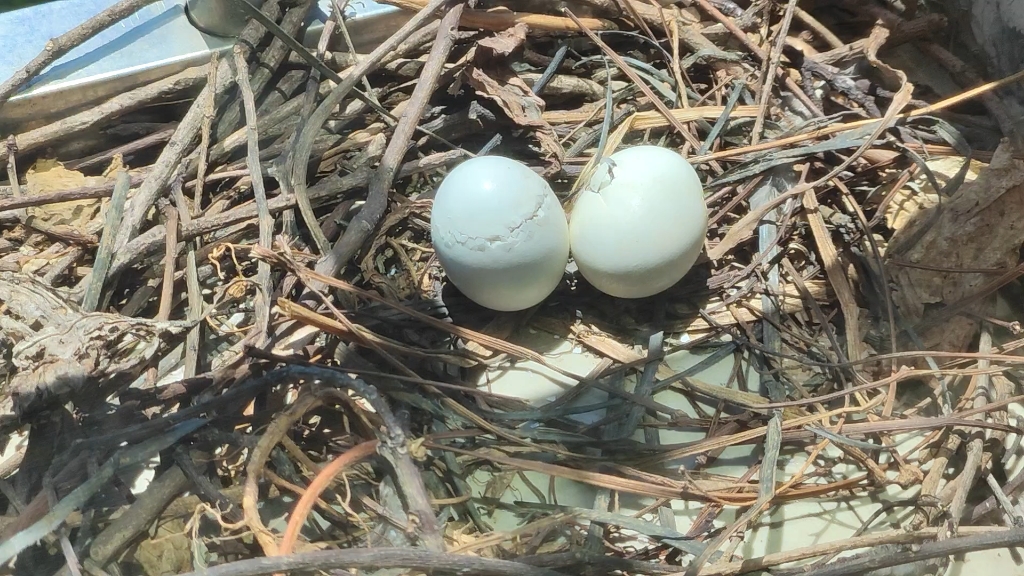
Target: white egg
<point x="639" y="224"/>
<point x="500" y="233"/>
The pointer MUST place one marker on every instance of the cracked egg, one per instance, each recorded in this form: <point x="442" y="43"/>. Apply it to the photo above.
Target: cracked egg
<point x="500" y="233"/>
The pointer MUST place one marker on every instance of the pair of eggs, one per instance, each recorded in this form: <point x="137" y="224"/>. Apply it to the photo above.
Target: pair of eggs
<point x="503" y="239"/>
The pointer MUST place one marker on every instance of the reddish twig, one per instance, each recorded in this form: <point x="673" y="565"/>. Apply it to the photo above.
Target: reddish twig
<point x="320" y="483"/>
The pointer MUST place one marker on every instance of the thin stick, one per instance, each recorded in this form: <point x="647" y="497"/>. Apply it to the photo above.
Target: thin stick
<point x="306" y="139"/>
<point x="12" y="166"/>
<point x="195" y="293"/>
<point x="836" y="128"/>
<point x="105" y="252"/>
<point x="163" y="169"/>
<point x="96" y="482"/>
<point x="498" y="21"/>
<point x="773" y="66"/>
<point x="61" y="45"/>
<point x="320" y="483"/>
<point x="869" y="541"/>
<point x="972" y="466"/>
<point x="167" y="286"/>
<point x="115" y="107"/>
<point x="954" y="546"/>
<point x="820" y="29"/>
<point x="308" y="104"/>
<point x="204" y="133"/>
<point x="254" y="468"/>
<point x="260" y="193"/>
<point x="69" y="195"/>
<point x="375" y="559"/>
<point x="270" y="59"/>
<point x="167" y="289"/>
<point x="328" y="188"/>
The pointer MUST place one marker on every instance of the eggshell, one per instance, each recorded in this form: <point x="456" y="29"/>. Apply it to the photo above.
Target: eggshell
<point x="639" y="224"/>
<point x="500" y="233"/>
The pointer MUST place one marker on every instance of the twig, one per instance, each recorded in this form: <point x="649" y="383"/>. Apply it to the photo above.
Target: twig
<point x="320" y="483"/>
<point x="254" y="468"/>
<point x="12" y="166"/>
<point x="768" y="234"/>
<point x="328" y="188"/>
<point x="377" y="196"/>
<point x="773" y="65"/>
<point x="753" y="565"/>
<point x="61" y="45"/>
<point x="105" y="252"/>
<point x="160" y="136"/>
<point x="854" y="567"/>
<point x="820" y="29"/>
<point x="655" y="99"/>
<point x="498" y="21"/>
<point x="204" y="488"/>
<point x="115" y="107"/>
<point x="167" y="287"/>
<point x="972" y="467"/>
<point x="742" y="36"/>
<point x="204" y="133"/>
<point x="70" y="195"/>
<point x="308" y="104"/>
<point x="1013" y="516"/>
<point x="116" y="537"/>
<point x="195" y="293"/>
<point x="270" y="60"/>
<point x="968" y="76"/>
<point x="375" y="559"/>
<point x="266" y="221"/>
<point x="393" y="446"/>
<point x="537" y="88"/>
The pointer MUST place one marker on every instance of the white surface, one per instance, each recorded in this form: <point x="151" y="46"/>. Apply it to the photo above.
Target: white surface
<point x="500" y="233"/>
<point x="640" y="223"/>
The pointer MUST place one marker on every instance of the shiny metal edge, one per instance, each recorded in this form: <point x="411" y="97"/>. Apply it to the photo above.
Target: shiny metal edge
<point x="154" y="43"/>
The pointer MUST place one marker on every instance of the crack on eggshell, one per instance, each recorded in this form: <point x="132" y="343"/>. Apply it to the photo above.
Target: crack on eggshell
<point x="515" y="235"/>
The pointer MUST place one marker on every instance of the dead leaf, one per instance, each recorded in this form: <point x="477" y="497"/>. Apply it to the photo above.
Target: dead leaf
<point x="168" y="553"/>
<point x="503" y="43"/>
<point x="511" y="93"/>
<point x="502" y="86"/>
<point x="48" y="175"/>
<point x="979" y="227"/>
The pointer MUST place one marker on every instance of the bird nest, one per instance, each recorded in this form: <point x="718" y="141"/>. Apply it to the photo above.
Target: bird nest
<point x="229" y="347"/>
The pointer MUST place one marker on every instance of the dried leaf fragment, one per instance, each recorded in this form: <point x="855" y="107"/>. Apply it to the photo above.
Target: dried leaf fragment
<point x="978" y="228"/>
